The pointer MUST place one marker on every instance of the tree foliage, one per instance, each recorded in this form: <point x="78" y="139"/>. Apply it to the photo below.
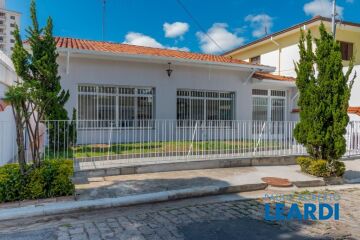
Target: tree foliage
<point x="38" y="96"/>
<point x="324" y="93"/>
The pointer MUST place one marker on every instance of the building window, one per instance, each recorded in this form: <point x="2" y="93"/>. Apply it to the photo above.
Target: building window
<point x="268" y="105"/>
<point x="12" y="25"/>
<point x="12" y="41"/>
<point x="346" y="50"/>
<point x="12" y="17"/>
<point x="205" y="105"/>
<point x="255" y="60"/>
<point x="2" y="14"/>
<point x="110" y="106"/>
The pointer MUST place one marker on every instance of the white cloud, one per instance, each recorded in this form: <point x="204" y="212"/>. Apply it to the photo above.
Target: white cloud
<point x="261" y="24"/>
<point x="184" y="49"/>
<point x="350" y="1"/>
<point x="220" y="34"/>
<point x="322" y="8"/>
<point x="176" y="29"/>
<point x="139" y="39"/>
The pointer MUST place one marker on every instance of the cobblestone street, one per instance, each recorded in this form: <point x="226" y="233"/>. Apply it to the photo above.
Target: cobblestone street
<point x="214" y="218"/>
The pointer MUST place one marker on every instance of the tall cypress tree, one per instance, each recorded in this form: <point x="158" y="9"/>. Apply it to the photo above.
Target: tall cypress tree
<point x="45" y="69"/>
<point x="38" y="69"/>
<point x="324" y="96"/>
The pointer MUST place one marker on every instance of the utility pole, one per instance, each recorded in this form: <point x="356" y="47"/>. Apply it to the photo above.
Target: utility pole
<point x="103" y="19"/>
<point x="333" y="22"/>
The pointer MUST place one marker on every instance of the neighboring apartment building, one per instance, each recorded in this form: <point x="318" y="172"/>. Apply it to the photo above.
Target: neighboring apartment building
<point x="280" y="49"/>
<point x="8" y="21"/>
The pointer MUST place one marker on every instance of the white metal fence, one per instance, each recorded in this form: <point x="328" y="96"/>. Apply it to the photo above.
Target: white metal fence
<point x="158" y="140"/>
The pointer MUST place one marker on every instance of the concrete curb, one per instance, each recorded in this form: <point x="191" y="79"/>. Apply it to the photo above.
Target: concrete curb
<point x="310" y="183"/>
<point x="67" y="207"/>
<point x="184" y="165"/>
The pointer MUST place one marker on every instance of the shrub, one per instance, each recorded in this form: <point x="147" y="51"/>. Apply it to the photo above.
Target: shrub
<point x="12" y="184"/>
<point x="52" y="179"/>
<point x="304" y="163"/>
<point x="321" y="168"/>
<point x="339" y="168"/>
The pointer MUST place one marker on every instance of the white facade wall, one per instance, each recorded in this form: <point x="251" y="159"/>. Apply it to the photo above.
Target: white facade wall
<point x="7" y="124"/>
<point x="125" y="73"/>
<point x="270" y="59"/>
<point x="7" y="132"/>
<point x="121" y="73"/>
<point x="289" y="55"/>
<point x="355" y="93"/>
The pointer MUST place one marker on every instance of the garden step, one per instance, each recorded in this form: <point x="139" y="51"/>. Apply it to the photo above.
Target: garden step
<point x="128" y="167"/>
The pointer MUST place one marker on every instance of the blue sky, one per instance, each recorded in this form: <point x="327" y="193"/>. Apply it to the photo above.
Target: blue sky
<point x="163" y="23"/>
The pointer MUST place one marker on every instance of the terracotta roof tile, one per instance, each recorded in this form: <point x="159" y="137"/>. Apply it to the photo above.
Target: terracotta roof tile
<point x="352" y="110"/>
<point x="80" y="44"/>
<point x="261" y="76"/>
<point x="3" y="105"/>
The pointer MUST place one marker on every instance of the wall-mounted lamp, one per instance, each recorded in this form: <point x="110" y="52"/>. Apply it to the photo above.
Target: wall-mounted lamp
<point x="169" y="71"/>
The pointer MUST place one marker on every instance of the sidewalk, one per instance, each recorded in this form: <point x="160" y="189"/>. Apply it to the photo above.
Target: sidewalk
<point x="128" y="190"/>
<point x="127" y="185"/>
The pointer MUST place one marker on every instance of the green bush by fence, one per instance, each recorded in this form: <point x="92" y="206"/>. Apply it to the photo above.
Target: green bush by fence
<point x="52" y="179"/>
<point x="321" y="168"/>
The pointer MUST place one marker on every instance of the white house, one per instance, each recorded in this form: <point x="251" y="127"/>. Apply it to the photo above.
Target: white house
<point x="281" y="50"/>
<point x="117" y="84"/>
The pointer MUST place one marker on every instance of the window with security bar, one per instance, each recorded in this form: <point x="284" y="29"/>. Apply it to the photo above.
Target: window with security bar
<point x="115" y="106"/>
<point x="269" y="110"/>
<point x="208" y="106"/>
<point x="268" y="105"/>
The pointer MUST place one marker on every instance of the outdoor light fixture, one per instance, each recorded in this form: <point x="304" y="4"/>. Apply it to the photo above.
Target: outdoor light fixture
<point x="169" y="71"/>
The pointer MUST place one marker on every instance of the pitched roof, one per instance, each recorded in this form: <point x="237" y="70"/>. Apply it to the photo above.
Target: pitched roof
<point x="297" y="26"/>
<point x="73" y="43"/>
<point x="262" y="75"/>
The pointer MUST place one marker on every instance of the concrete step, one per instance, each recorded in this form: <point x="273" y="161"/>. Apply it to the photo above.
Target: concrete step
<point x="121" y="167"/>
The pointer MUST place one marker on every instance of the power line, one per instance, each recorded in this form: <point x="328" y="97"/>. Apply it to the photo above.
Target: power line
<point x="198" y="24"/>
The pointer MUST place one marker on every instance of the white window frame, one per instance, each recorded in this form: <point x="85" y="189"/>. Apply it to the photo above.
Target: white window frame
<point x="117" y="95"/>
<point x="205" y="99"/>
<point x="269" y="98"/>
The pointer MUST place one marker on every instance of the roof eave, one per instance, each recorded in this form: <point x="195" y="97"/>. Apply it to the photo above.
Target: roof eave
<point x="281" y="82"/>
<point x="161" y="58"/>
<point x="288" y="30"/>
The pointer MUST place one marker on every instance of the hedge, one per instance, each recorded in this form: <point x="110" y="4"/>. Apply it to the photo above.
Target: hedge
<point x="52" y="179"/>
<point x="321" y="168"/>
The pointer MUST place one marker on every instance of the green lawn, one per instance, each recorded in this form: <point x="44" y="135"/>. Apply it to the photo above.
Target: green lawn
<point x="162" y="148"/>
